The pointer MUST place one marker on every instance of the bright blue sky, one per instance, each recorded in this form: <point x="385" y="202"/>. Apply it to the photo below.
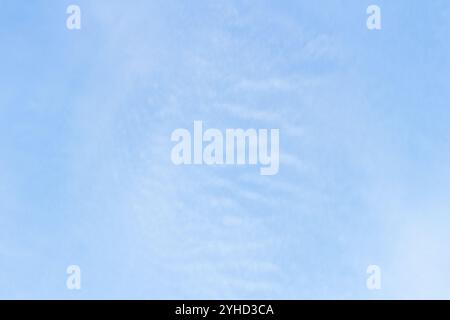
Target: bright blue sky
<point x="85" y="171"/>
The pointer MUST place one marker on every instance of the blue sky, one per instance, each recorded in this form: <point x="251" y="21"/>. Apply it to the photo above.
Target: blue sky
<point x="85" y="170"/>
